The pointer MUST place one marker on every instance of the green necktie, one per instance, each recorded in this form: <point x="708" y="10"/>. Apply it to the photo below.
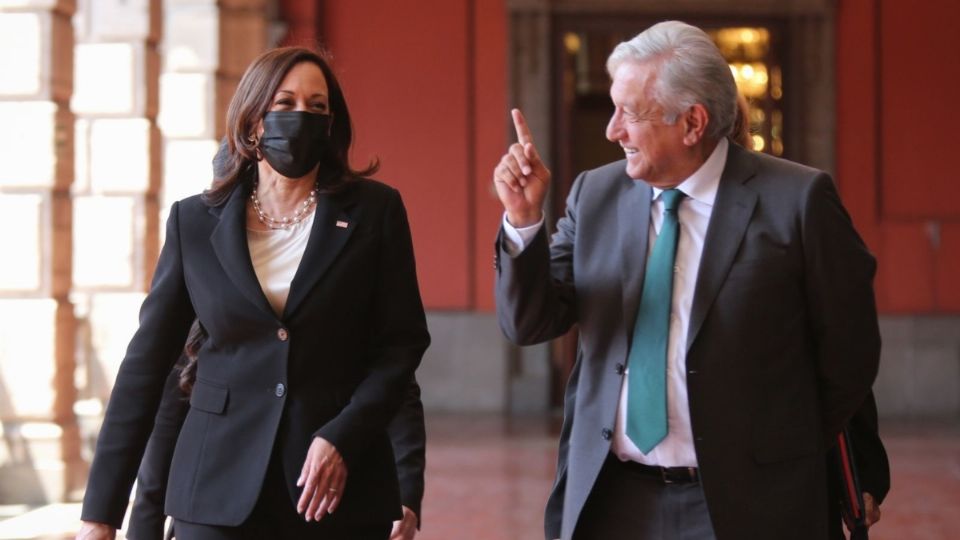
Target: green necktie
<point x="647" y="378"/>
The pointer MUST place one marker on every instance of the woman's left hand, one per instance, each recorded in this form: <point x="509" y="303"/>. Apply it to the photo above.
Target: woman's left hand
<point x="323" y="478"/>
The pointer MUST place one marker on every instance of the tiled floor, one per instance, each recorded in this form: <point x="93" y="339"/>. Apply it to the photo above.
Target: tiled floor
<point x="488" y="478"/>
<point x="924" y="499"/>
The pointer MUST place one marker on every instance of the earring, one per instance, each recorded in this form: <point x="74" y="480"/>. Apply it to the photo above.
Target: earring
<point x="255" y="143"/>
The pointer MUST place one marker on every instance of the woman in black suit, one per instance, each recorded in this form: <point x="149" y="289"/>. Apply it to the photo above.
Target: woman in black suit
<point x="147" y="518"/>
<point x="301" y="272"/>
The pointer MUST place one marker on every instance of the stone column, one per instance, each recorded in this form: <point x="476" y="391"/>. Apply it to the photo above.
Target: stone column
<point x="40" y="455"/>
<point x="149" y="117"/>
<point x="118" y="171"/>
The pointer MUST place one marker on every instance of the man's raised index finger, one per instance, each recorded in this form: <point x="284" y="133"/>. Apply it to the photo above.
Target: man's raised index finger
<point x="520" y="124"/>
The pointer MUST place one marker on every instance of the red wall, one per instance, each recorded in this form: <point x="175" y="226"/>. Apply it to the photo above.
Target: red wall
<point x="426" y="82"/>
<point x="426" y="86"/>
<point x="896" y="86"/>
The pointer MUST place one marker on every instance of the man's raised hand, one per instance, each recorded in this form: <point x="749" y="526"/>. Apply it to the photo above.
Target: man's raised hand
<point x="521" y="178"/>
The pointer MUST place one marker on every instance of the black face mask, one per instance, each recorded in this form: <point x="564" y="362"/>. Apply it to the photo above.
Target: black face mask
<point x="294" y="141"/>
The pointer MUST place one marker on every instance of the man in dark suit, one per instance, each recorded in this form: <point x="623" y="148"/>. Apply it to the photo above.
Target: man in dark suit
<point x="727" y="322"/>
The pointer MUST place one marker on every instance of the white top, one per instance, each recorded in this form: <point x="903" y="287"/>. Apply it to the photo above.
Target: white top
<point x="276" y="255"/>
<point x="676" y="449"/>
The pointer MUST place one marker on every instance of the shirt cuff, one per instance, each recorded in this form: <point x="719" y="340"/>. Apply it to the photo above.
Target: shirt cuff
<point x="516" y="240"/>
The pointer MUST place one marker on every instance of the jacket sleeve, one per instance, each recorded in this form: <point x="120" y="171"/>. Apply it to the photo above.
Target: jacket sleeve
<point x="409" y="438"/>
<point x="399" y="339"/>
<point x="841" y="311"/>
<point x="165" y="318"/>
<point x="536" y="297"/>
<point x="873" y="468"/>
<point x="147" y="517"/>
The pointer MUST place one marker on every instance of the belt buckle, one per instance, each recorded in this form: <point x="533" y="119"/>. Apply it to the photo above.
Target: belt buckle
<point x="678" y="475"/>
<point x="666" y="477"/>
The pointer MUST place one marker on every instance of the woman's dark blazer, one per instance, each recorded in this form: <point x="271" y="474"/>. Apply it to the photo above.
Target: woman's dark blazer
<point x="407" y="435"/>
<point x="335" y="364"/>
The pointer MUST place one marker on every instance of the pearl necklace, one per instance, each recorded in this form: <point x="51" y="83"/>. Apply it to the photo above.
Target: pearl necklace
<point x="284" y="223"/>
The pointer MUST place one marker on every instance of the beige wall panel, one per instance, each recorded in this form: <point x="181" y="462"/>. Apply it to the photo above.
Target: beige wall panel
<point x="103" y="236"/>
<point x="114" y="20"/>
<point x="191" y="40"/>
<point x="187" y="105"/>
<point x="187" y="168"/>
<point x="27" y="143"/>
<point x="119" y="154"/>
<point x="21" y="242"/>
<point x="21" y="47"/>
<point x="27" y="361"/>
<point x="105" y="79"/>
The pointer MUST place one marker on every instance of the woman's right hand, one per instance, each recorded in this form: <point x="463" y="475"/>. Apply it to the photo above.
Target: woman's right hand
<point x="91" y="530"/>
<point x="521" y="178"/>
<point x="322" y="478"/>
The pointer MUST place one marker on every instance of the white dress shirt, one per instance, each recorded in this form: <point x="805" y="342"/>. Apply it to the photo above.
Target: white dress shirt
<point x="676" y="449"/>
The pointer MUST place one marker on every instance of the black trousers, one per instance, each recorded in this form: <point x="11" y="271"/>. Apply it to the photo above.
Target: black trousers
<point x="628" y="505"/>
<point x="276" y="517"/>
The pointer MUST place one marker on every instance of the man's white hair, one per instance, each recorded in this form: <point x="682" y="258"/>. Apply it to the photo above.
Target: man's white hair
<point x="691" y="70"/>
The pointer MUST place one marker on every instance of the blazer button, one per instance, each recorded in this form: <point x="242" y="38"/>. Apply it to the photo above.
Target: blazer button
<point x="282" y="334"/>
<point x="280" y="390"/>
<point x="620" y="369"/>
<point x="606" y="434"/>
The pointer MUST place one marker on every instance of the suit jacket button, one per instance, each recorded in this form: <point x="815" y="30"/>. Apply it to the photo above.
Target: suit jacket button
<point x="280" y="390"/>
<point x="606" y="434"/>
<point x="282" y="334"/>
<point x="620" y="369"/>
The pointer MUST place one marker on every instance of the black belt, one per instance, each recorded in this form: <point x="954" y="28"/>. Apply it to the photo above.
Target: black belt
<point x="668" y="475"/>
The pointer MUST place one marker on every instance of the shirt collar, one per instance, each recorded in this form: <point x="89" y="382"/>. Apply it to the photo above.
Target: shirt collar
<point x="702" y="185"/>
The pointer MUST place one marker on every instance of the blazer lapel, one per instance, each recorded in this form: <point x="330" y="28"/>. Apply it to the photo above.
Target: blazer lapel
<point x="333" y="224"/>
<point x="731" y="215"/>
<point x="229" y="241"/>
<point x="633" y="222"/>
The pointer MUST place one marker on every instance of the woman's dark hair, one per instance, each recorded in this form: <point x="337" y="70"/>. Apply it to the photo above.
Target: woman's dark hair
<point x="251" y="102"/>
<point x="195" y="339"/>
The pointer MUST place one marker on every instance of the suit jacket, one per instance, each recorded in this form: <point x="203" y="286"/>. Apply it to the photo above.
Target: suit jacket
<point x="146" y="514"/>
<point x="335" y="364"/>
<point x="783" y="343"/>
<point x="406" y="430"/>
